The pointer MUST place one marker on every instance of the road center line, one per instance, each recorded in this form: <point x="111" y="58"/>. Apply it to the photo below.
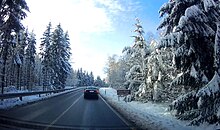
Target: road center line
<point x="63" y="113"/>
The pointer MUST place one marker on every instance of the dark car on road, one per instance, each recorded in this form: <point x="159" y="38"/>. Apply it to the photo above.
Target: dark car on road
<point x="91" y="92"/>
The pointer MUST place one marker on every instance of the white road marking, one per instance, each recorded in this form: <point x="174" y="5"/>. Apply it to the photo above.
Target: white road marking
<point x="63" y="113"/>
<point x="128" y="124"/>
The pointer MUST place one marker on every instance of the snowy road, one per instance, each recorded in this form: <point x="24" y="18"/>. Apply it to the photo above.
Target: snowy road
<point x="69" y="111"/>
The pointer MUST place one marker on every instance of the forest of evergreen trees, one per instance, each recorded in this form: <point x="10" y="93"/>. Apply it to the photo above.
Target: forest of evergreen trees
<point x="21" y="65"/>
<point x="181" y="66"/>
<point x="81" y="78"/>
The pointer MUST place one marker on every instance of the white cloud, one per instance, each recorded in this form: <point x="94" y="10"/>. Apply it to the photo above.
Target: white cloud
<point x="78" y="17"/>
<point x="113" y="5"/>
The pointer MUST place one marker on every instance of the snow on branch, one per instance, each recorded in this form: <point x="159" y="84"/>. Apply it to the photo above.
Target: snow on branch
<point x="208" y="4"/>
<point x="211" y="88"/>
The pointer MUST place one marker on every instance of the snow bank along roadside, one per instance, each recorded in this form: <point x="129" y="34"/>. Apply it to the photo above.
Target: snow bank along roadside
<point x="13" y="102"/>
<point x="148" y="115"/>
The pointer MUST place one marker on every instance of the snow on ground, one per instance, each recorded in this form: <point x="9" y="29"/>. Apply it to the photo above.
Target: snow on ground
<point x="149" y="115"/>
<point x="9" y="103"/>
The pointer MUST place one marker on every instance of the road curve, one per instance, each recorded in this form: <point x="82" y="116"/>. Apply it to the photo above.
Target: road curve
<point x="67" y="111"/>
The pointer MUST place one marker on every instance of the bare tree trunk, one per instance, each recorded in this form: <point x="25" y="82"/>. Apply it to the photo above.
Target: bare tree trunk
<point x="28" y="78"/>
<point x="22" y="77"/>
<point x="12" y="73"/>
<point x="5" y="54"/>
<point x="3" y="76"/>
<point x="18" y="77"/>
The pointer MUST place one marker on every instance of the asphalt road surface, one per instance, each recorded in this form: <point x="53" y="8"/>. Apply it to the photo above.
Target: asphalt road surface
<point x="67" y="111"/>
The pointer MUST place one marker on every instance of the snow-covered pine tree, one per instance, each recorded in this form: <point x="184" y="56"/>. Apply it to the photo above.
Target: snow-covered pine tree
<point x="60" y="52"/>
<point x="65" y="60"/>
<point x="79" y="77"/>
<point x="15" y="67"/>
<point x="196" y="43"/>
<point x="202" y="105"/>
<point x="99" y="82"/>
<point x="190" y="30"/>
<point x="208" y="96"/>
<point x="38" y="70"/>
<point x="46" y="40"/>
<point x="87" y="80"/>
<point x="46" y="56"/>
<point x="84" y="78"/>
<point x="22" y="41"/>
<point x="30" y="61"/>
<point x="136" y="60"/>
<point x="12" y="12"/>
<point x="15" y="60"/>
<point x="91" y="79"/>
<point x="160" y="73"/>
<point x="72" y="78"/>
<point x="217" y="49"/>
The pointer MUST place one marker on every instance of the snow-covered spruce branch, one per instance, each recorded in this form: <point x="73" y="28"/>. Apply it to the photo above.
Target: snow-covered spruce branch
<point x="200" y="106"/>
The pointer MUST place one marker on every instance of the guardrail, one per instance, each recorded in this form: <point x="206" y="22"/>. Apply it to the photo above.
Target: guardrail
<point x="20" y="95"/>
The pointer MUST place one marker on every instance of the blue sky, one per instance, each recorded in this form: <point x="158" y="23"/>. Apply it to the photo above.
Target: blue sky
<point x="97" y="28"/>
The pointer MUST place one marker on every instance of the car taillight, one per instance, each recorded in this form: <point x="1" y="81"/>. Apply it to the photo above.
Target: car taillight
<point x="97" y="91"/>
